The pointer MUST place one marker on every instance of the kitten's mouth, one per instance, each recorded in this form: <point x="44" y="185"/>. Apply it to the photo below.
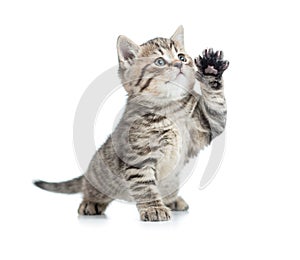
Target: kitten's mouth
<point x="180" y="73"/>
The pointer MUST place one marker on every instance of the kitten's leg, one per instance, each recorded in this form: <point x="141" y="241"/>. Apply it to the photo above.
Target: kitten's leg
<point x="212" y="105"/>
<point x="94" y="202"/>
<point x="143" y="188"/>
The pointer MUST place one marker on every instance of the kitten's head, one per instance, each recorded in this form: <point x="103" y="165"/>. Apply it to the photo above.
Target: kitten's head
<point x="158" y="68"/>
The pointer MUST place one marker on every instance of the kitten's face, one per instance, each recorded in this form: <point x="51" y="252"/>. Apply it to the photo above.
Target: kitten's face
<point x="158" y="68"/>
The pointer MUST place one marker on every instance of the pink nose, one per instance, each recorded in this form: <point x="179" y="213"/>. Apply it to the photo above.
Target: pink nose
<point x="178" y="64"/>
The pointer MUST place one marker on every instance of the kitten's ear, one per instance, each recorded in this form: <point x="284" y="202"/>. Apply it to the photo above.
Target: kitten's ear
<point x="178" y="37"/>
<point x="127" y="49"/>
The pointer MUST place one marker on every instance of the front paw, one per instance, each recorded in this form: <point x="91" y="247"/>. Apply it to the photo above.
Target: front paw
<point x="155" y="213"/>
<point x="211" y="64"/>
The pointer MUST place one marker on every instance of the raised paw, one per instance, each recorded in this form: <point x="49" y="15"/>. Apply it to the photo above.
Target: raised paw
<point x="211" y="64"/>
<point x="178" y="205"/>
<point x="91" y="208"/>
<point x="155" y="213"/>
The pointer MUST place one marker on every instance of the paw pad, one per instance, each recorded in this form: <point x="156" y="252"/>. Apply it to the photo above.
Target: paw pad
<point x="211" y="63"/>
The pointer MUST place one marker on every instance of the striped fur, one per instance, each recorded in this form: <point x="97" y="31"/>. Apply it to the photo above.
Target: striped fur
<point x="164" y="124"/>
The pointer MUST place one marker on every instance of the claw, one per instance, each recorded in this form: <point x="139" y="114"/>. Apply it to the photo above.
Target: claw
<point x="219" y="55"/>
<point x="198" y="61"/>
<point x="225" y="65"/>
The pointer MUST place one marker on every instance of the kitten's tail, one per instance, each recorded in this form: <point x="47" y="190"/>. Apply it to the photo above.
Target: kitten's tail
<point x="68" y="187"/>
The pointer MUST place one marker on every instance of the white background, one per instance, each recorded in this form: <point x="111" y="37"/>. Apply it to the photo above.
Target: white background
<point x="51" y="51"/>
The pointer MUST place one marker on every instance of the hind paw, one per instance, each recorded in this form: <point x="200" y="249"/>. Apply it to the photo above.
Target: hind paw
<point x="178" y="205"/>
<point x="91" y="208"/>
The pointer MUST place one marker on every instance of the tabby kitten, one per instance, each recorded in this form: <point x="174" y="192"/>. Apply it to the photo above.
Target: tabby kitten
<point x="164" y="124"/>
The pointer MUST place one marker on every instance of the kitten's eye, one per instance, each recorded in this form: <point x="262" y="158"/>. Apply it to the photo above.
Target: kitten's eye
<point x="160" y="62"/>
<point x="182" y="57"/>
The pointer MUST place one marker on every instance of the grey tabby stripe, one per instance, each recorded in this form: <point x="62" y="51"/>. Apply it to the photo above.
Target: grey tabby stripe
<point x="159" y="49"/>
<point x="142" y="74"/>
<point x="135" y="176"/>
<point x="146" y="84"/>
<point x="172" y="44"/>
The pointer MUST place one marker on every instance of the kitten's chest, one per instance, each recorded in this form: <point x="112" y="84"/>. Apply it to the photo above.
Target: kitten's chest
<point x="162" y="138"/>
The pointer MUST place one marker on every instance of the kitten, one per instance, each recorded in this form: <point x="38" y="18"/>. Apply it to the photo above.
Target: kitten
<point x="164" y="124"/>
